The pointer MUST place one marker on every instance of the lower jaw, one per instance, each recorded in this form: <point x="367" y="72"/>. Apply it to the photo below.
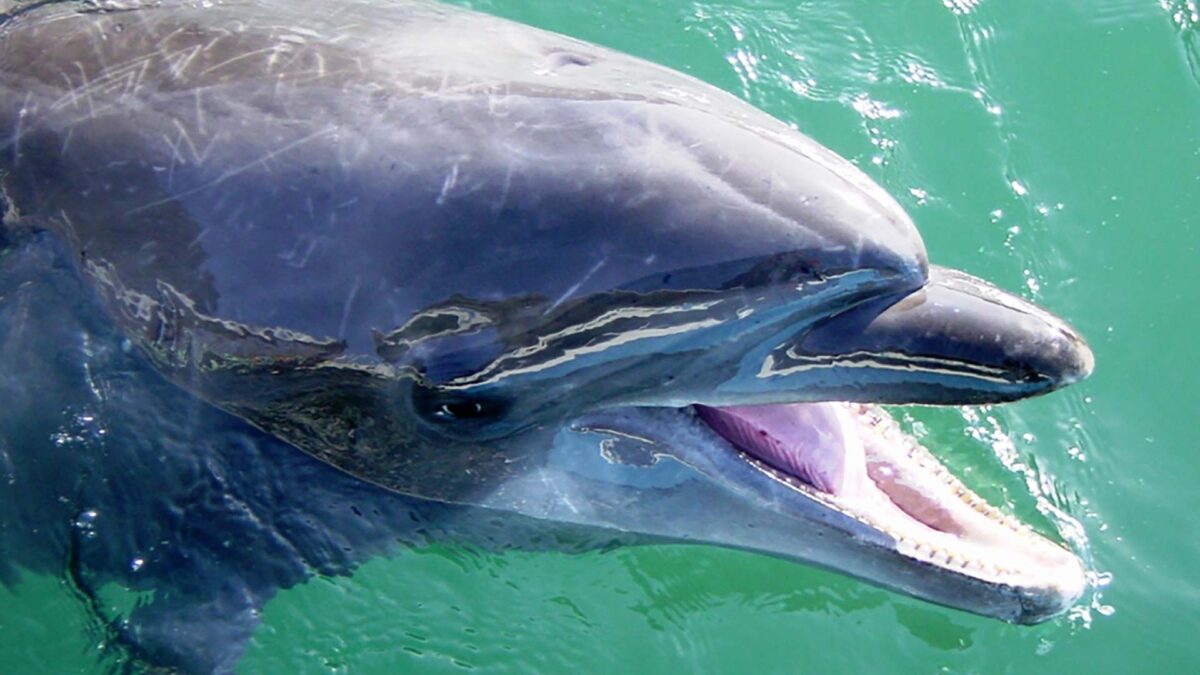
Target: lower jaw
<point x="933" y="519"/>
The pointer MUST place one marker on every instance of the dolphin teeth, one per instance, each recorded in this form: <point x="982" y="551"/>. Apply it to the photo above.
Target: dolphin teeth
<point x="930" y="515"/>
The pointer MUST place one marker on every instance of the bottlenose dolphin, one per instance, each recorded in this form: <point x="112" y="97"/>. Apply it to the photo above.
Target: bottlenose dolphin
<point x="486" y="266"/>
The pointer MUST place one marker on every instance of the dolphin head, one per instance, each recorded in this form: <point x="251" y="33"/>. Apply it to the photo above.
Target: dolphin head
<point x="556" y="281"/>
<point x="733" y="402"/>
<point x="745" y="416"/>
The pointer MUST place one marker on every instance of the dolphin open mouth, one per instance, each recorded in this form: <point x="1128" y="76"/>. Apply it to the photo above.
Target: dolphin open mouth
<point x="855" y="459"/>
<point x="778" y="440"/>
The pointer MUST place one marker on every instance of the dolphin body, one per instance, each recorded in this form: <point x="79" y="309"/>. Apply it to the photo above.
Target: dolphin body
<point x="479" y="265"/>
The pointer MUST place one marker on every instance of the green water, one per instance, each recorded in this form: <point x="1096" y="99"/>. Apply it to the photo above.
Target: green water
<point x="1052" y="147"/>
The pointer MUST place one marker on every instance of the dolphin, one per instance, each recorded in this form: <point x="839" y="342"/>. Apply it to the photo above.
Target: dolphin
<point x="487" y="267"/>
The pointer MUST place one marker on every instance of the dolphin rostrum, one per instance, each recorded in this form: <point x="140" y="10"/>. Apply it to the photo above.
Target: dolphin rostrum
<point x="481" y="264"/>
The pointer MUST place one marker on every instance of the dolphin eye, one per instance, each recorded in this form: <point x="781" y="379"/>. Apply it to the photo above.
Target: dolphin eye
<point x="458" y="410"/>
<point x="444" y="408"/>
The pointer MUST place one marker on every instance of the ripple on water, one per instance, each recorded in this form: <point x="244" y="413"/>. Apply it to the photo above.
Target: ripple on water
<point x="1064" y="509"/>
<point x="1185" y="14"/>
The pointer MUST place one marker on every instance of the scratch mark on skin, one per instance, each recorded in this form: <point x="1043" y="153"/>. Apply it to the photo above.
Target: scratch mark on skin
<point x="448" y="184"/>
<point x="183" y="137"/>
<point x="273" y="60"/>
<point x="348" y="306"/>
<point x="198" y="156"/>
<point x="310" y="246"/>
<point x="235" y="171"/>
<point x="265" y="50"/>
<point x="320" y="64"/>
<point x="137" y="71"/>
<point x="124" y="80"/>
<point x="176" y="159"/>
<point x="178" y="62"/>
<point x="67" y="140"/>
<point x="87" y="88"/>
<point x="312" y="76"/>
<point x="18" y="129"/>
<point x="69" y="97"/>
<point x="296" y="55"/>
<point x="571" y="291"/>
<point x="67" y="221"/>
<point x="562" y="496"/>
<point x="200" y="117"/>
<point x="504" y="189"/>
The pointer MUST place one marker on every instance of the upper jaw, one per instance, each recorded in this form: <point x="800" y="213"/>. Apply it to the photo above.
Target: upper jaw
<point x="862" y="337"/>
<point x="956" y="340"/>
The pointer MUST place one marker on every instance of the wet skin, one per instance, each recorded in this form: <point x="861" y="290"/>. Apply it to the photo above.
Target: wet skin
<point x="469" y="261"/>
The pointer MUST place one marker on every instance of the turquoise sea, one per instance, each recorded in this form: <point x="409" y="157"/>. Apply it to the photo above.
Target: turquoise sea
<point x="1051" y="147"/>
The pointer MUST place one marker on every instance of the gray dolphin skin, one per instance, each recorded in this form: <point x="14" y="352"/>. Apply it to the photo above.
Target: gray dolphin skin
<point x="481" y="264"/>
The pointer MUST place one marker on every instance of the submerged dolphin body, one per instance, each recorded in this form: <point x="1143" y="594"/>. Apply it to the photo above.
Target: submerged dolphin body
<point x="482" y="265"/>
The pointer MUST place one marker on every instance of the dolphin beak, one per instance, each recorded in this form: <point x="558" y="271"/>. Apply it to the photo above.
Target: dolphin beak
<point x="957" y="340"/>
